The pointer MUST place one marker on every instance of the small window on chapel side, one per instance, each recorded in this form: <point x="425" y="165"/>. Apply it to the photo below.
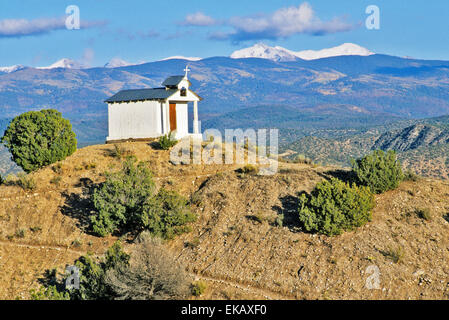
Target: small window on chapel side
<point x="183" y="92"/>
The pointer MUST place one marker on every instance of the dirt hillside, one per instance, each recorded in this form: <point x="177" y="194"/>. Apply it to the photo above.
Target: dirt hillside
<point x="240" y="244"/>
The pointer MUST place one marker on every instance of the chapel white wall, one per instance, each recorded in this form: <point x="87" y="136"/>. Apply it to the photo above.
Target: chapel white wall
<point x="134" y="120"/>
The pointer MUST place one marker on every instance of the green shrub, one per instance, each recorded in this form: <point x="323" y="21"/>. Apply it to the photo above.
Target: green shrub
<point x="39" y="138"/>
<point x="56" y="180"/>
<point x="119" y="200"/>
<point x="409" y="175"/>
<point x="260" y="217"/>
<point x="35" y="229"/>
<point x="127" y="202"/>
<point x="192" y="244"/>
<point x="334" y="206"/>
<point x="196" y="199"/>
<point x="395" y="254"/>
<point x="93" y="285"/>
<point x="167" y="215"/>
<point x="167" y="141"/>
<point x="379" y="171"/>
<point x="77" y="243"/>
<point x="20" y="233"/>
<point x="49" y="293"/>
<point x="26" y="182"/>
<point x="92" y="282"/>
<point x="248" y="169"/>
<point x="120" y="152"/>
<point x="89" y="166"/>
<point x="300" y="159"/>
<point x="198" y="288"/>
<point x="279" y="221"/>
<point x="57" y="168"/>
<point x="424" y="213"/>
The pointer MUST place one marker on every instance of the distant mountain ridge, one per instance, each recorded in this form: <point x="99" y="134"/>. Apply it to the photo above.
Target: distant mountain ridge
<point x="67" y="63"/>
<point x="375" y="87"/>
<point x="259" y="50"/>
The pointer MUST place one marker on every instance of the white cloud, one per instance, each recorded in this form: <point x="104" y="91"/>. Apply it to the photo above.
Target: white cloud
<point x="15" y="28"/>
<point x="285" y="22"/>
<point x="282" y="23"/>
<point x="199" y="19"/>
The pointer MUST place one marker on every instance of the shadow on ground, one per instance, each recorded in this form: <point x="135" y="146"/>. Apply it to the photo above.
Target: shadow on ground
<point x="347" y="176"/>
<point x="79" y="206"/>
<point x="289" y="210"/>
<point x="155" y="145"/>
<point x="446" y="217"/>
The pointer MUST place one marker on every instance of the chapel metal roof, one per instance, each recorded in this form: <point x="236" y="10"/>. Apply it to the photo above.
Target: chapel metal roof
<point x="172" y="81"/>
<point x="141" y="94"/>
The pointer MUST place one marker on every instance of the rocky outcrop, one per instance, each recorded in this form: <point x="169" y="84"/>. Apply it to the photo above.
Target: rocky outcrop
<point x="412" y="137"/>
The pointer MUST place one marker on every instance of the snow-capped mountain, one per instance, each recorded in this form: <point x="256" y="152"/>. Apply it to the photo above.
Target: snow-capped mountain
<point x="346" y="49"/>
<point x="281" y="54"/>
<point x="117" y="63"/>
<point x="183" y="58"/>
<point x="263" y="51"/>
<point x="12" y="69"/>
<point x="64" y="63"/>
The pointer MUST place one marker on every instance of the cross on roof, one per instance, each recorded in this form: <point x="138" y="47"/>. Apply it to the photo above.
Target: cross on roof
<point x="187" y="70"/>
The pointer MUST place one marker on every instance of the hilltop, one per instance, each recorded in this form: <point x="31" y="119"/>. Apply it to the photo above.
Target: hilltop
<point x="237" y="245"/>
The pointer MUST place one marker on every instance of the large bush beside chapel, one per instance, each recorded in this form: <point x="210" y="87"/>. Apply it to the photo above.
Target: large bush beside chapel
<point x="379" y="171"/>
<point x="39" y="138"/>
<point x="334" y="206"/>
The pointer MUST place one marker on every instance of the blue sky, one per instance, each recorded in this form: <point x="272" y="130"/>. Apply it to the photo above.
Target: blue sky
<point x="33" y="33"/>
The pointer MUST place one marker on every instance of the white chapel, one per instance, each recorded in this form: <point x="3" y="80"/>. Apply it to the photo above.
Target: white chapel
<point x="150" y="113"/>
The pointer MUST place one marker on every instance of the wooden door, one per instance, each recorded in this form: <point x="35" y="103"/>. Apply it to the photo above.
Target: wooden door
<point x="172" y="116"/>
